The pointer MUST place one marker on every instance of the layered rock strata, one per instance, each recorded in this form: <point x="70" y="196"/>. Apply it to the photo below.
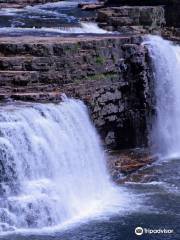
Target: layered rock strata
<point x="139" y="19"/>
<point x="111" y="74"/>
<point x="162" y="14"/>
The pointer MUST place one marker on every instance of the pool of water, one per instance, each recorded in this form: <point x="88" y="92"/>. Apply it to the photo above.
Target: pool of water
<point x="159" y="209"/>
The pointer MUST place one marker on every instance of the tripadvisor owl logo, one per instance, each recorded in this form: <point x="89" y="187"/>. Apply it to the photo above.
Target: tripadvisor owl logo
<point x="139" y="231"/>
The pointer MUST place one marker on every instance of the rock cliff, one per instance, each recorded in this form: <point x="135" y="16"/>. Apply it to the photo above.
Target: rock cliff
<point x="111" y="74"/>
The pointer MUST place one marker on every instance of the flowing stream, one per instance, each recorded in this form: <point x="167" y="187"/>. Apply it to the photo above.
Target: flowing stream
<point x="50" y="19"/>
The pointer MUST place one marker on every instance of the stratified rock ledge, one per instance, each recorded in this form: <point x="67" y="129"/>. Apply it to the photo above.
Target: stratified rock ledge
<point x="111" y="74"/>
<point x="132" y="19"/>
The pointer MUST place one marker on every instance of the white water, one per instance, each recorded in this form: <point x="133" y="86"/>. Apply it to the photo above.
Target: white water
<point x="46" y="8"/>
<point x="52" y="167"/>
<point x="50" y="18"/>
<point x="83" y="28"/>
<point x="166" y="63"/>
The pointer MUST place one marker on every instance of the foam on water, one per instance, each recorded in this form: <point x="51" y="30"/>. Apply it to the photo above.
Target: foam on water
<point x="53" y="170"/>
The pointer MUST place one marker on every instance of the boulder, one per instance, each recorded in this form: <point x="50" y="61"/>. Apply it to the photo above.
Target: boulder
<point x="126" y="165"/>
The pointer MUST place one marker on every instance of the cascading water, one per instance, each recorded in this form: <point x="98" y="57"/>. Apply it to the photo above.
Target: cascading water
<point x="50" y="19"/>
<point x="166" y="63"/>
<point x="84" y="28"/>
<point x="51" y="166"/>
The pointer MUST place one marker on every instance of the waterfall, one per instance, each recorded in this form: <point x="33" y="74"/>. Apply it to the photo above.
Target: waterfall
<point x="52" y="167"/>
<point x="166" y="62"/>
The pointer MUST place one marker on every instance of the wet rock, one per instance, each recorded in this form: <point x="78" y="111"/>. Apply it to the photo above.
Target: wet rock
<point x="124" y="165"/>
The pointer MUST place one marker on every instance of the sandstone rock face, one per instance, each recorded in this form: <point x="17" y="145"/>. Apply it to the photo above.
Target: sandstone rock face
<point x="111" y="74"/>
<point x="129" y="19"/>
